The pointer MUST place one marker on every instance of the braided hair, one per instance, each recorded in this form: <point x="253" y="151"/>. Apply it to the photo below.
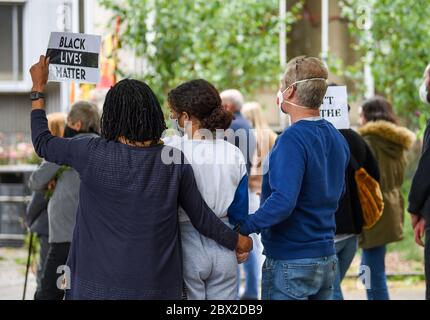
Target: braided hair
<point x="132" y="110"/>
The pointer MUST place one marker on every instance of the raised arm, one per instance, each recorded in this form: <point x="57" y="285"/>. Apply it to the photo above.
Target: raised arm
<point x="71" y="152"/>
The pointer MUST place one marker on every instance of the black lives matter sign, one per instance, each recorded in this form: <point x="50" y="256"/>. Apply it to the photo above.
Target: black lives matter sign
<point x="74" y="57"/>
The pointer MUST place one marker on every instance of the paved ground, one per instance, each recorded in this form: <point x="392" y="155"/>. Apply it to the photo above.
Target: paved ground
<point x="12" y="273"/>
<point x="399" y="290"/>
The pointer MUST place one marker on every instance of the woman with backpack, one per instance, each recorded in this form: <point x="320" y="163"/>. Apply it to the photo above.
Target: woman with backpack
<point x="349" y="216"/>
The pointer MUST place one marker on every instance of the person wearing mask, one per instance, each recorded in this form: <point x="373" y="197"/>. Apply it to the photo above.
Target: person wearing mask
<point x="419" y="195"/>
<point x="389" y="143"/>
<point x="265" y="138"/>
<point x="61" y="186"/>
<point x="301" y="192"/>
<point x="126" y="241"/>
<point x="220" y="171"/>
<point x="349" y="215"/>
<point x="37" y="214"/>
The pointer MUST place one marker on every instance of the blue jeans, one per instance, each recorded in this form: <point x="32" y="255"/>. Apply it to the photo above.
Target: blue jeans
<point x="252" y="271"/>
<point x="299" y="279"/>
<point x="345" y="251"/>
<point x="374" y="259"/>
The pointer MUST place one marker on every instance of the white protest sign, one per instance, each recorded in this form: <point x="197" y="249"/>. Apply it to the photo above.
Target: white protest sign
<point x="74" y="57"/>
<point x="335" y="107"/>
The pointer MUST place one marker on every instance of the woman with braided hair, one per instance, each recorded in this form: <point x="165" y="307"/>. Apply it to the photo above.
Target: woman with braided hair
<point x="126" y="239"/>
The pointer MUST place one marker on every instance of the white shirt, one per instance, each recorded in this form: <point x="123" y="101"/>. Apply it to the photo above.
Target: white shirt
<point x="218" y="167"/>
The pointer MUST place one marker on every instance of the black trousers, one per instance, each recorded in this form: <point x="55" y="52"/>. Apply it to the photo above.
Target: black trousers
<point x="57" y="256"/>
<point x="43" y="253"/>
<point x="427" y="259"/>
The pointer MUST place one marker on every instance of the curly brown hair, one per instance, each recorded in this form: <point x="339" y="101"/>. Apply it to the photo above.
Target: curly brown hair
<point x="200" y="99"/>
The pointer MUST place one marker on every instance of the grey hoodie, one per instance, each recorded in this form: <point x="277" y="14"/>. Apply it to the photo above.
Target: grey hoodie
<point x="63" y="204"/>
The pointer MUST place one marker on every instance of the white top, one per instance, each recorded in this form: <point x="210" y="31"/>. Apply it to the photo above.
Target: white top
<point x="219" y="168"/>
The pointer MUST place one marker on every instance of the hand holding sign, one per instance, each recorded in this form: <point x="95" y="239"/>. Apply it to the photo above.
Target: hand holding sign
<point x="39" y="74"/>
<point x="74" y="57"/>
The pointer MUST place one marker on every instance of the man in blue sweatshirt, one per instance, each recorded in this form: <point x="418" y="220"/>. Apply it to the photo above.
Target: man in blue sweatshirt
<point x="301" y="192"/>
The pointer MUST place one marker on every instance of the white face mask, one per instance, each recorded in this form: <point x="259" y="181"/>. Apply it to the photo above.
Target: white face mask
<point x="176" y="126"/>
<point x="424" y="93"/>
<point x="280" y="95"/>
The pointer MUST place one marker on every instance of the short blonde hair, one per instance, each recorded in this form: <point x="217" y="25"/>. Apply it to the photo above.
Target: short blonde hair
<point x="266" y="137"/>
<point x="57" y="123"/>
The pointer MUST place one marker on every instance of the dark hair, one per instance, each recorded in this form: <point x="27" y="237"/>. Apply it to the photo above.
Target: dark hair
<point x="132" y="110"/>
<point x="200" y="99"/>
<point x="378" y="108"/>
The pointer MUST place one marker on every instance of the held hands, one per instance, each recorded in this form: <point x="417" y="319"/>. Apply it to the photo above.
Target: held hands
<point x="419" y="230"/>
<point x="39" y="74"/>
<point x="244" y="246"/>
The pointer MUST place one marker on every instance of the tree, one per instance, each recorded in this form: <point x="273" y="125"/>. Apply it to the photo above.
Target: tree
<point x="229" y="43"/>
<point x="396" y="43"/>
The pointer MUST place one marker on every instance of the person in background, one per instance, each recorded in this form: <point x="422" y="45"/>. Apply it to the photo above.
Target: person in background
<point x="61" y="186"/>
<point x="220" y="171"/>
<point x="419" y="195"/>
<point x="36" y="214"/>
<point x="389" y="143"/>
<point x="244" y="139"/>
<point x="301" y="192"/>
<point x="265" y="138"/>
<point x="349" y="216"/>
<point x="126" y="242"/>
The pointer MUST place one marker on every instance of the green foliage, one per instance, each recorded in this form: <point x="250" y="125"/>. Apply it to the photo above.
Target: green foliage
<point x="395" y="42"/>
<point x="229" y="43"/>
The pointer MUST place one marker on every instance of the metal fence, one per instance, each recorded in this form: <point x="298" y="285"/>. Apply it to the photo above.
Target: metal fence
<point x="14" y="196"/>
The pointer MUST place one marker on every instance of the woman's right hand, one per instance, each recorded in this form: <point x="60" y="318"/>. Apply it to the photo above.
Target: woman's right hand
<point x="242" y="257"/>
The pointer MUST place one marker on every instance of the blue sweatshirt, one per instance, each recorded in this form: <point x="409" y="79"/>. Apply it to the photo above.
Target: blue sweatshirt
<point x="301" y="192"/>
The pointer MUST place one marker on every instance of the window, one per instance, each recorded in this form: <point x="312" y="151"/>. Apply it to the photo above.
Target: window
<point x="11" y="42"/>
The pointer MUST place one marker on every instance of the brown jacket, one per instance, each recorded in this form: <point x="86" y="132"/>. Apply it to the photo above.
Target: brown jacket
<point x="390" y="144"/>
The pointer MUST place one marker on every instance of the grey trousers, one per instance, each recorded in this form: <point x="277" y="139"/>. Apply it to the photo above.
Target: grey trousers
<point x="209" y="270"/>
